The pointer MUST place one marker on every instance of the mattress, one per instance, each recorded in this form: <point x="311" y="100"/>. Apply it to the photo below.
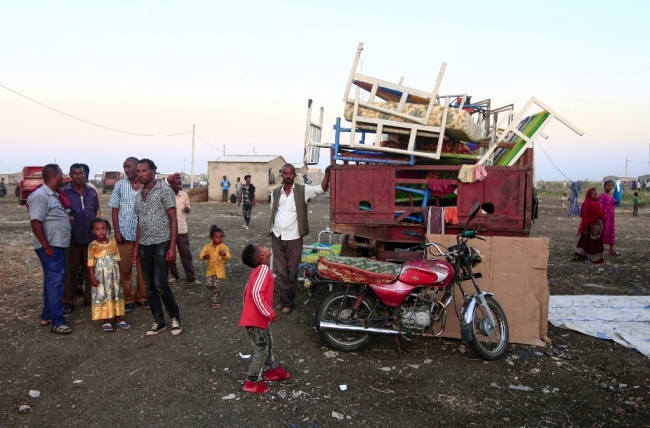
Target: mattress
<point x="528" y="126"/>
<point x="358" y="270"/>
<point x="459" y="126"/>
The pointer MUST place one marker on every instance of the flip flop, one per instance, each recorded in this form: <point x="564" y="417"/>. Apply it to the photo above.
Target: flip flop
<point x="107" y="328"/>
<point x="45" y="323"/>
<point x="61" y="329"/>
<point x="123" y="325"/>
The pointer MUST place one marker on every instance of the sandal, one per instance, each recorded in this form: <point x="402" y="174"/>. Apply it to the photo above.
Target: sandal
<point x="215" y="305"/>
<point x="45" y="323"/>
<point x="616" y="254"/>
<point x="107" y="328"/>
<point x="123" y="325"/>
<point x="61" y="329"/>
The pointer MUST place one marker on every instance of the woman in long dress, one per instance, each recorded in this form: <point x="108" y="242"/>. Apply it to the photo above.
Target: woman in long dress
<point x="590" y="244"/>
<point x="608" y="205"/>
<point x="574" y="208"/>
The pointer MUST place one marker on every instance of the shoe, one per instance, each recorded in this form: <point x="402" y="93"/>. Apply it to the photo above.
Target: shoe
<point x="287" y="310"/>
<point x="68" y="310"/>
<point x="246" y="228"/>
<point x="123" y="325"/>
<point x="244" y="225"/>
<point x="173" y="280"/>
<point x="195" y="282"/>
<point x="128" y="308"/>
<point x="176" y="327"/>
<point x="278" y="307"/>
<point x="258" y="387"/>
<point x="277" y="373"/>
<point x="145" y="305"/>
<point x="156" y="328"/>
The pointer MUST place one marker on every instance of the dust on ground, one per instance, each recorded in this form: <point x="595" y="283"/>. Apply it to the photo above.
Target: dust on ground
<point x="91" y="378"/>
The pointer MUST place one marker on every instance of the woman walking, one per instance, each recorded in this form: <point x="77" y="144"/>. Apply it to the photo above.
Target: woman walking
<point x="590" y="244"/>
<point x="574" y="208"/>
<point x="608" y="205"/>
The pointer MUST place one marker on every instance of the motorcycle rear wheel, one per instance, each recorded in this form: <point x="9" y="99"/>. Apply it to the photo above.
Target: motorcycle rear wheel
<point x="338" y="306"/>
<point x="489" y="345"/>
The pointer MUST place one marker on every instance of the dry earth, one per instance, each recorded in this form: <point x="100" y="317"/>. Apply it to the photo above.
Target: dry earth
<point x="124" y="378"/>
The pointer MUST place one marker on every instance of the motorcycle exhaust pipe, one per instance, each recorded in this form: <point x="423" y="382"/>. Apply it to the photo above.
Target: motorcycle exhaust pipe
<point x="328" y="325"/>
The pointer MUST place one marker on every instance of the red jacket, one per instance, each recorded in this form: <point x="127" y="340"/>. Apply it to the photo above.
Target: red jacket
<point x="258" y="299"/>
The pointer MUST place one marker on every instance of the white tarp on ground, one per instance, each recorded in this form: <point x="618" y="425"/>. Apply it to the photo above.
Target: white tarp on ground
<point x="623" y="319"/>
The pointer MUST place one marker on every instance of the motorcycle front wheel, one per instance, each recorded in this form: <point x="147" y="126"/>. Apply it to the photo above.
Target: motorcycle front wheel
<point x="489" y="343"/>
<point x="338" y="307"/>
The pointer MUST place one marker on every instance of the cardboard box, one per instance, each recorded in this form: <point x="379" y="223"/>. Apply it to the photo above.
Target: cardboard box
<point x="515" y="271"/>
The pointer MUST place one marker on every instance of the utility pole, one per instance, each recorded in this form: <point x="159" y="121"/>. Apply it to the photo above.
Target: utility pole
<point x="626" y="167"/>
<point x="192" y="167"/>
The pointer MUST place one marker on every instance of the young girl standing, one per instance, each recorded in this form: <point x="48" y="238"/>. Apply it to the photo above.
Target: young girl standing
<point x="107" y="294"/>
<point x="216" y="254"/>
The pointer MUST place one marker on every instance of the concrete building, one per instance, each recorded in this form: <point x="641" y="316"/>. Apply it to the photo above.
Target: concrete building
<point x="263" y="169"/>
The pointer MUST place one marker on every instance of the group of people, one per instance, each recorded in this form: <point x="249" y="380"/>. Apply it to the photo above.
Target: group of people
<point x="597" y="225"/>
<point x="69" y="234"/>
<point x="148" y="225"/>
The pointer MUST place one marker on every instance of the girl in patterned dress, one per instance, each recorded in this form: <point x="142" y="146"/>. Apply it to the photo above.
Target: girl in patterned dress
<point x="216" y="254"/>
<point x="608" y="205"/>
<point x="107" y="294"/>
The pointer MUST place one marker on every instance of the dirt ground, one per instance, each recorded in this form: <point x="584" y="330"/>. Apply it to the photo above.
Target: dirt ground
<point x="91" y="378"/>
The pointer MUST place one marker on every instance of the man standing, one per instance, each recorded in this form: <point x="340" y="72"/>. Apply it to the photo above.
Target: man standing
<point x="183" y="238"/>
<point x="238" y="187"/>
<point x="84" y="203"/>
<point x="247" y="198"/>
<point x="51" y="236"/>
<point x="287" y="227"/>
<point x="225" y="185"/>
<point x="155" y="245"/>
<point x="87" y="178"/>
<point x="125" y="224"/>
<point x="3" y="188"/>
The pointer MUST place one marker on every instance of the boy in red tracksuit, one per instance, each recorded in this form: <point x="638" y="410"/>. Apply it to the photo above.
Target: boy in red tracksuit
<point x="256" y="316"/>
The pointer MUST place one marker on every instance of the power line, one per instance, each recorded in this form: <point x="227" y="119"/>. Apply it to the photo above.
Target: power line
<point x="91" y="123"/>
<point x="200" y="138"/>
<point x="549" y="158"/>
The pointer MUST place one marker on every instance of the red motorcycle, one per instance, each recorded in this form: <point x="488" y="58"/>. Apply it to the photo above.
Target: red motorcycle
<point x="416" y="303"/>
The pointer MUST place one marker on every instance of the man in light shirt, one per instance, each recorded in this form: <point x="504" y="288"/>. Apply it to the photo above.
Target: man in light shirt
<point x="183" y="237"/>
<point x="287" y="227"/>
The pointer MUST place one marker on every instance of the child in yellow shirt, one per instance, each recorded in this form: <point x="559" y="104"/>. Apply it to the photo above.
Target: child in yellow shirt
<point x="216" y="254"/>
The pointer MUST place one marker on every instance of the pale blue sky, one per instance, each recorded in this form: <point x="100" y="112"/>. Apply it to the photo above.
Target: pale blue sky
<point x="243" y="71"/>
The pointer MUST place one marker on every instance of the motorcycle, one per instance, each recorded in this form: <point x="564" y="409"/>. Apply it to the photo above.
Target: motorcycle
<point x="416" y="303"/>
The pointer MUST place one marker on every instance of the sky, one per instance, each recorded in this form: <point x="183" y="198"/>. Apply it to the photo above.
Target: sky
<point x="242" y="73"/>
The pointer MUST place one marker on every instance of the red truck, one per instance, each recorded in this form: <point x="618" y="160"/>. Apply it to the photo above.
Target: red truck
<point x="110" y="178"/>
<point x="32" y="178"/>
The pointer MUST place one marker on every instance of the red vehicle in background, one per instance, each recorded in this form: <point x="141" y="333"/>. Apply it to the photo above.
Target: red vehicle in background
<point x="32" y="178"/>
<point x="110" y="178"/>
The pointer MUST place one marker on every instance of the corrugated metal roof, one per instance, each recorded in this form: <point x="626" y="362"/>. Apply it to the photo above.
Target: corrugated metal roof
<point x="247" y="158"/>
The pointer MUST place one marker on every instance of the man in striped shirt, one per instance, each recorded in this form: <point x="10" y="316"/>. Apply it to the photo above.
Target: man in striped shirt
<point x="125" y="224"/>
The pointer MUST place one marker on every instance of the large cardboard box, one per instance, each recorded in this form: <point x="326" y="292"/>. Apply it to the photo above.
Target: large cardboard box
<point x="515" y="271"/>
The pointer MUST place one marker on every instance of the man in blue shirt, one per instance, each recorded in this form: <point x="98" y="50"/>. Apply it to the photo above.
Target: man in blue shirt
<point x="51" y="236"/>
<point x="84" y="203"/>
<point x="225" y="185"/>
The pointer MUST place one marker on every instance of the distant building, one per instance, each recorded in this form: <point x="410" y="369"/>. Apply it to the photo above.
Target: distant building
<point x="263" y="169"/>
<point x="644" y="179"/>
<point x="12" y="178"/>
